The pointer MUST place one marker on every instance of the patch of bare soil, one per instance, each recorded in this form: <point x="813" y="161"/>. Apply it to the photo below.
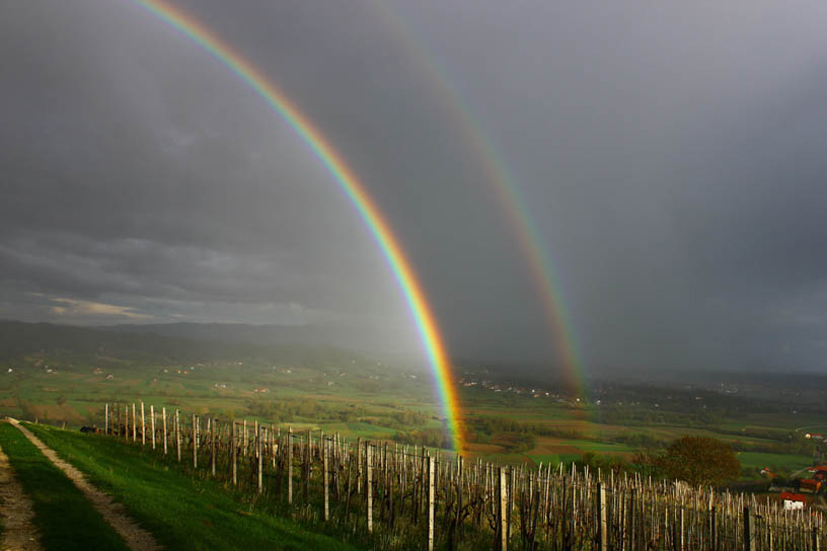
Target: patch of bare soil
<point x="16" y="511"/>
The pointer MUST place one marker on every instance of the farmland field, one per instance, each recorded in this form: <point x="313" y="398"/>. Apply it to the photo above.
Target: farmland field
<point x="356" y="399"/>
<point x="775" y="461"/>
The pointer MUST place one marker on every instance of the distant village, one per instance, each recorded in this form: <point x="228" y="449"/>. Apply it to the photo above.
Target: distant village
<point x="533" y="392"/>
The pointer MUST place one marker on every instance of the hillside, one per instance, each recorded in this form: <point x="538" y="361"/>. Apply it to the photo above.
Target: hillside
<point x="182" y="512"/>
<point x="238" y="485"/>
<point x="136" y="345"/>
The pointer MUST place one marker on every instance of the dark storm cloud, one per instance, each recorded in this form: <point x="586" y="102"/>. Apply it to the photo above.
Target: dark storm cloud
<point x="672" y="152"/>
<point x="672" y="155"/>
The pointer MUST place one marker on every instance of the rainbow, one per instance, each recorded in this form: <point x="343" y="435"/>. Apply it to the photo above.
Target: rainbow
<point x="520" y="221"/>
<point x="348" y="182"/>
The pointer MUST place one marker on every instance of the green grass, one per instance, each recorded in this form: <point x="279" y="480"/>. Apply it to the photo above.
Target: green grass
<point x="365" y="430"/>
<point x="601" y="447"/>
<point x="182" y="512"/>
<point x="790" y="462"/>
<point x="64" y="517"/>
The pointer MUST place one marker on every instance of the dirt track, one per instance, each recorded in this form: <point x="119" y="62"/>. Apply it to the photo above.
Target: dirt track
<point x="16" y="511"/>
<point x="113" y="513"/>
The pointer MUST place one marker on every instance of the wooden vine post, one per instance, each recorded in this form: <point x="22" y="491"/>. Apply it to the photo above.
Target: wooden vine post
<point x="213" y="422"/>
<point x="546" y="508"/>
<point x="501" y="513"/>
<point x="194" y="442"/>
<point x="749" y="530"/>
<point x="178" y="434"/>
<point x="368" y="486"/>
<point x="234" y="453"/>
<point x="324" y="481"/>
<point x="306" y="462"/>
<point x="359" y="465"/>
<point x="260" y="454"/>
<point x="152" y="423"/>
<point x="602" y="536"/>
<point x="431" y="503"/>
<point x="289" y="465"/>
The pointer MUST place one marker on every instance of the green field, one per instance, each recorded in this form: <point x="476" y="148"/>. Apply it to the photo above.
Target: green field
<point x="361" y="404"/>
<point x="598" y="447"/>
<point x="359" y="397"/>
<point x="774" y="461"/>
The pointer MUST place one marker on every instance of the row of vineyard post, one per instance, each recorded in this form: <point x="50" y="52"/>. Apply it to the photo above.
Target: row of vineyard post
<point x="450" y="500"/>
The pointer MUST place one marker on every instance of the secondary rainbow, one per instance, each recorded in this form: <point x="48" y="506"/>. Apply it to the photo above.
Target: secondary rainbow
<point x="520" y="220"/>
<point x="348" y="182"/>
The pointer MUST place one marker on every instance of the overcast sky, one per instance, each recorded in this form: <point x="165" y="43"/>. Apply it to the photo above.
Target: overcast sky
<point x="672" y="154"/>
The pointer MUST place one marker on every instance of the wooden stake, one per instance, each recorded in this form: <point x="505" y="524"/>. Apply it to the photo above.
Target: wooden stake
<point x="324" y="481"/>
<point x="178" y="434"/>
<point x="260" y="454"/>
<point x="152" y="423"/>
<point x="194" y="442"/>
<point x="368" y="485"/>
<point x="164" y="415"/>
<point x="289" y="465"/>
<point x="234" y="453"/>
<point x="602" y="536"/>
<point x="143" y="426"/>
<point x="430" y="503"/>
<point x="212" y="445"/>
<point x="307" y="463"/>
<point x="359" y="465"/>
<point x="749" y="530"/>
<point x="501" y="513"/>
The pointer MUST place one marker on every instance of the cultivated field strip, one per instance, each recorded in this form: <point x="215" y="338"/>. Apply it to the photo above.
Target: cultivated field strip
<point x="411" y="497"/>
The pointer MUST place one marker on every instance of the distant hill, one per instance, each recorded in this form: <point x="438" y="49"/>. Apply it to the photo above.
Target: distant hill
<point x="240" y="333"/>
<point x="139" y="345"/>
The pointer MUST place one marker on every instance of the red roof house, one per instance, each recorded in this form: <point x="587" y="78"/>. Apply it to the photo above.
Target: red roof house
<point x="793" y="501"/>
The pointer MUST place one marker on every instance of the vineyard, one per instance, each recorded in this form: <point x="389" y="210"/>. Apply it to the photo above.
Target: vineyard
<point x="406" y="497"/>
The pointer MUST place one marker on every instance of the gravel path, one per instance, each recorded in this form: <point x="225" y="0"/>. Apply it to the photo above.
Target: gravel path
<point x="16" y="511"/>
<point x="136" y="537"/>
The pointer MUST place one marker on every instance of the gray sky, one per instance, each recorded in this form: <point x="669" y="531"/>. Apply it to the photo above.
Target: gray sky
<point x="672" y="154"/>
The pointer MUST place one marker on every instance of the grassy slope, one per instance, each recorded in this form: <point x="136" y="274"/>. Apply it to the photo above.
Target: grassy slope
<point x="182" y="512"/>
<point x="65" y="518"/>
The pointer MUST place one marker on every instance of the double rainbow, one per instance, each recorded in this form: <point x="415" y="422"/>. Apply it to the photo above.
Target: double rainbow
<point x="515" y="207"/>
<point x="357" y="194"/>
